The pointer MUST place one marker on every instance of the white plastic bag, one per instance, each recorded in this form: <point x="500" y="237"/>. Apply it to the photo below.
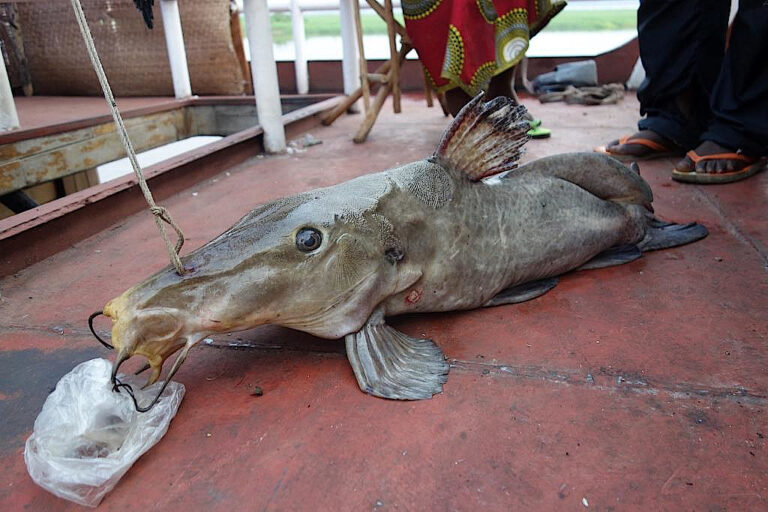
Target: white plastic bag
<point x="87" y="436"/>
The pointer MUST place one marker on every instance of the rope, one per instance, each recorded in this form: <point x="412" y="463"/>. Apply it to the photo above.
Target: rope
<point x="160" y="214"/>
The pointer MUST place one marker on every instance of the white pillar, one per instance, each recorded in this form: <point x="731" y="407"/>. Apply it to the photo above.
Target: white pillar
<point x="264" y="71"/>
<point x="174" y="41"/>
<point x="9" y="119"/>
<point x="350" y="63"/>
<point x="300" y="62"/>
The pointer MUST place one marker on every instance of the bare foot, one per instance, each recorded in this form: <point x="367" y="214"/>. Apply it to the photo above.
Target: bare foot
<point x="717" y="166"/>
<point x="638" y="150"/>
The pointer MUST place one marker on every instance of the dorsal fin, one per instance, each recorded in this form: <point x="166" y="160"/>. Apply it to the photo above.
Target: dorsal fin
<point x="485" y="138"/>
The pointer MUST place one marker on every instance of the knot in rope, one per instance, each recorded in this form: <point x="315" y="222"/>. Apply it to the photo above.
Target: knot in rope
<point x="162" y="213"/>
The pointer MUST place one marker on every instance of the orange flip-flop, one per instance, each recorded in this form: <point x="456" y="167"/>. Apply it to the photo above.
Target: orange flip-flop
<point x="659" y="150"/>
<point x="752" y="166"/>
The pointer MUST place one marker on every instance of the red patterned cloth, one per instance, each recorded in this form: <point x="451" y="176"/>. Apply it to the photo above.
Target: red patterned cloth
<point x="465" y="43"/>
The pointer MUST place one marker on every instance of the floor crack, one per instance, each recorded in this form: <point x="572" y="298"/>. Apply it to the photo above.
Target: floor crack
<point x="60" y="329"/>
<point x="611" y="379"/>
<point x="733" y="229"/>
<point x="600" y="379"/>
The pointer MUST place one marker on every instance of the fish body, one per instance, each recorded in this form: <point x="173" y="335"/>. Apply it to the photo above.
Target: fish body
<point x="433" y="235"/>
<point x="491" y="236"/>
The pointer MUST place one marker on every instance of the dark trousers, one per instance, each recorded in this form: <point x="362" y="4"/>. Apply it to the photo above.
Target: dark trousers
<point x="695" y="89"/>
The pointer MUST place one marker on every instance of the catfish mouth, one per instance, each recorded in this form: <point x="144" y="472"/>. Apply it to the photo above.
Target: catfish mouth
<point x="146" y="334"/>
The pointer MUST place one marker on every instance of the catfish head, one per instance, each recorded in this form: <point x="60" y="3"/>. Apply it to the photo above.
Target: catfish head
<point x="318" y="262"/>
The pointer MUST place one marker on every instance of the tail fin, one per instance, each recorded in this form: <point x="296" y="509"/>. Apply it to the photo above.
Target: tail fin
<point x="662" y="235"/>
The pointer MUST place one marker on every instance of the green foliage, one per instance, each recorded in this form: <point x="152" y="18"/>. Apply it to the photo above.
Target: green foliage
<point x="321" y="24"/>
<point x="619" y="19"/>
<point x="327" y="24"/>
<point x="281" y="27"/>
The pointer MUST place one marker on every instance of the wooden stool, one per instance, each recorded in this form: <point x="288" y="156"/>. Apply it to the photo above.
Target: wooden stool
<point x="387" y="76"/>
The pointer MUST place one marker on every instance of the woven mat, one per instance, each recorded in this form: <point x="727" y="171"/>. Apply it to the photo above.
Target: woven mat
<point x="13" y="48"/>
<point x="134" y="57"/>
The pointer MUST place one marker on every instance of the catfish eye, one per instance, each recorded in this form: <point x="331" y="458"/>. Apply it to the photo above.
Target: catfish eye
<point x="308" y="239"/>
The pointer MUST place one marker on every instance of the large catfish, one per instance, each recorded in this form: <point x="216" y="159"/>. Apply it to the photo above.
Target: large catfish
<point x="432" y="235"/>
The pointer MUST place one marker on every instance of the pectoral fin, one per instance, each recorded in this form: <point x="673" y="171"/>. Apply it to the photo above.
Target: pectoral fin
<point x="617" y="255"/>
<point x="522" y="292"/>
<point x="390" y="364"/>
<point x="662" y="235"/>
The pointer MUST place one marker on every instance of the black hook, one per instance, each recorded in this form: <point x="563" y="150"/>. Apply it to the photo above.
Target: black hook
<point x="90" y="324"/>
<point x="117" y="384"/>
<point x="129" y="390"/>
<point x="116" y="387"/>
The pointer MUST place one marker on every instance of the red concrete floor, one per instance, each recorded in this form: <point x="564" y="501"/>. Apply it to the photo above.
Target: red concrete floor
<point x="635" y="387"/>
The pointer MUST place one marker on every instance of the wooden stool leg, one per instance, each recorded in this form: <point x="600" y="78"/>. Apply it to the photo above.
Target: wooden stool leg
<point x="376" y="6"/>
<point x="350" y="100"/>
<point x="393" y="56"/>
<point x="372" y="114"/>
<point x="427" y="88"/>
<point x="381" y="96"/>
<point x="443" y="103"/>
<point x="524" y="76"/>
<point x="366" y="88"/>
<point x="513" y="92"/>
<point x="237" y="43"/>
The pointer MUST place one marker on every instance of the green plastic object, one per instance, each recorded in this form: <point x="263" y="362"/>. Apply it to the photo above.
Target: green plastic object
<point x="536" y="131"/>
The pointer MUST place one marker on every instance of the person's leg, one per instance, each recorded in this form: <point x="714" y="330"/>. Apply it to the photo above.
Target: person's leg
<point x="681" y="47"/>
<point x="500" y="85"/>
<point x="740" y="96"/>
<point x="456" y="98"/>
